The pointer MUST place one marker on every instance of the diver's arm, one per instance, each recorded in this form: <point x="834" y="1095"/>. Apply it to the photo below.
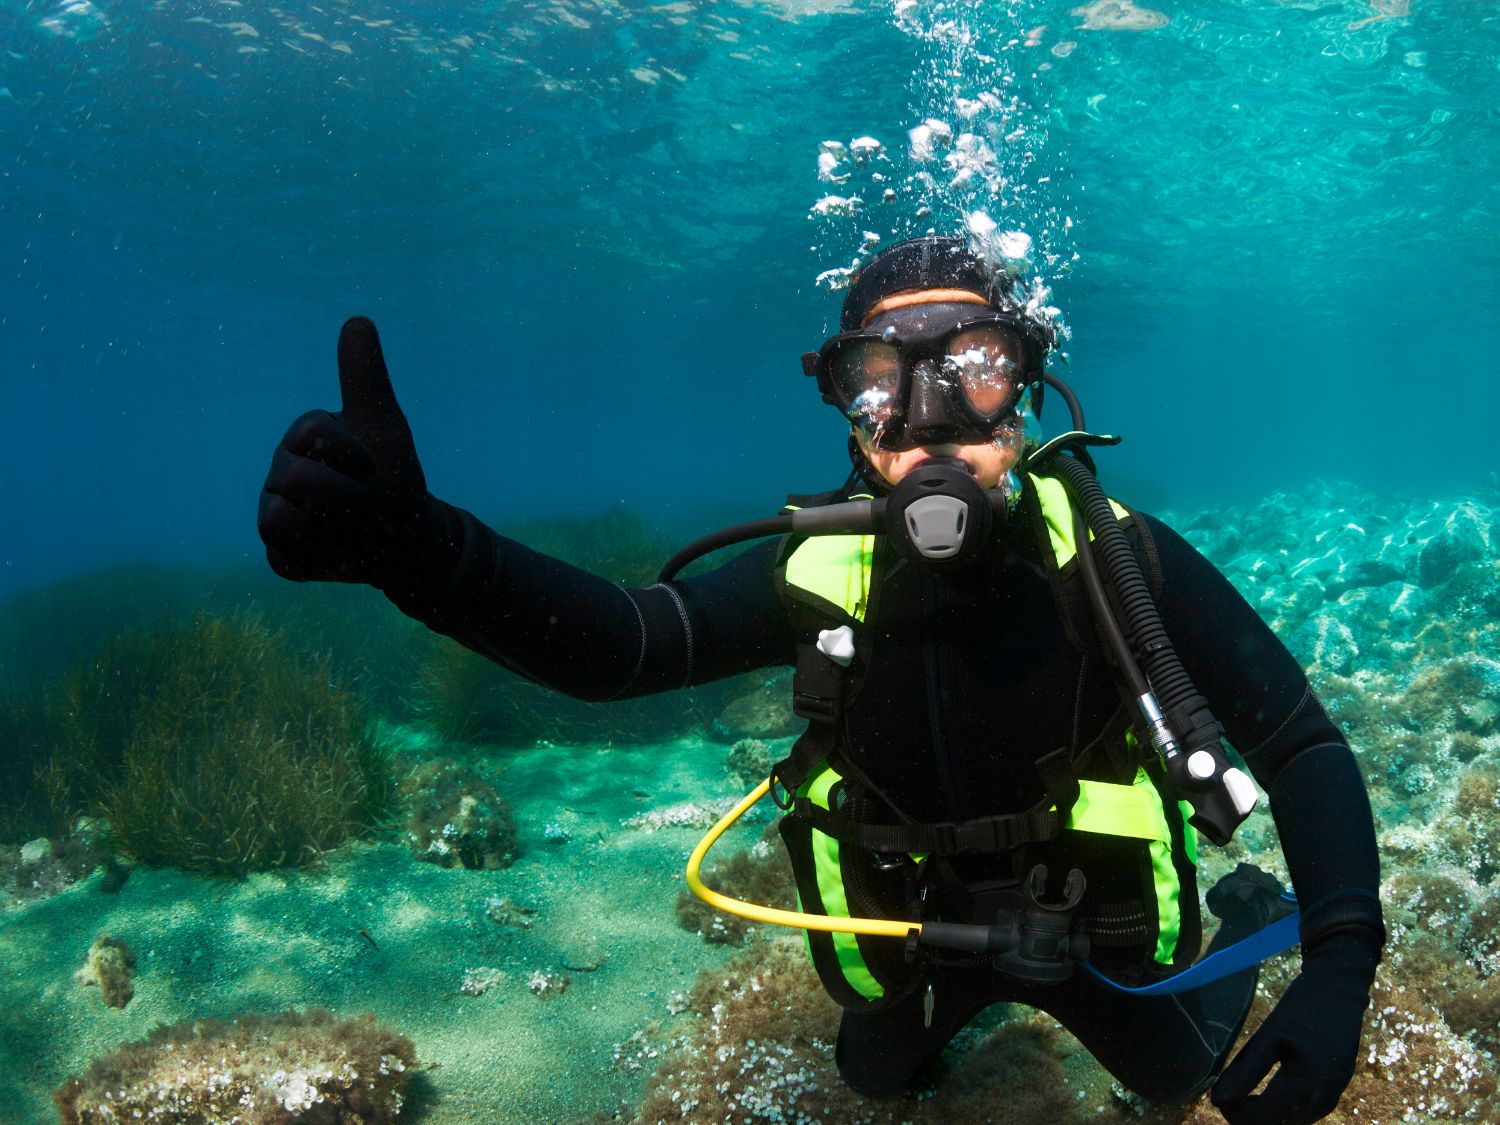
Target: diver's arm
<point x="1271" y="715"/>
<point x="1322" y="812"/>
<point x="575" y="632"/>
<point x="346" y="501"/>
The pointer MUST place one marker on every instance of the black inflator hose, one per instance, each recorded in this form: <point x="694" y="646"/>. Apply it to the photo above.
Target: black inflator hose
<point x="1178" y="718"/>
<point x="1169" y="680"/>
<point x="1104" y="615"/>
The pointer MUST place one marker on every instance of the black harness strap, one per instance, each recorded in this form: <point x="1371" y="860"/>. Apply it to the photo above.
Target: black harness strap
<point x="988" y="834"/>
<point x="818" y="697"/>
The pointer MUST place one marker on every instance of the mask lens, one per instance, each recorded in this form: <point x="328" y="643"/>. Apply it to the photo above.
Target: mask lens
<point x="866" y="375"/>
<point x="985" y="362"/>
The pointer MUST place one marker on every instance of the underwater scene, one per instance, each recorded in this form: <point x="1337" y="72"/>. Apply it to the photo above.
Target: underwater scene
<point x="280" y="851"/>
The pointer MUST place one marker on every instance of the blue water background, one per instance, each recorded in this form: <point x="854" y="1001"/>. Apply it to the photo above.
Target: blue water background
<point x="593" y="284"/>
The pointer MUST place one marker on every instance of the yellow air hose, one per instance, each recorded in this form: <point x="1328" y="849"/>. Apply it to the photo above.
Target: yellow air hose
<point x="879" y="927"/>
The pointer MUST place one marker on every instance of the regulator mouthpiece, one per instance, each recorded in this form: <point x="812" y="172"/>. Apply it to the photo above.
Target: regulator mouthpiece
<point x="939" y="514"/>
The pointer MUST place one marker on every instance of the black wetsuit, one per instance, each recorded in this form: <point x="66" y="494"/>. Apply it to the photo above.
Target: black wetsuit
<point x="968" y="678"/>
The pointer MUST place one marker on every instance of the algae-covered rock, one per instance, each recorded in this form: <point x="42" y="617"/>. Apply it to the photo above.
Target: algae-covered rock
<point x="34" y="852"/>
<point x="764" y="711"/>
<point x="760" y="874"/>
<point x="1327" y="643"/>
<point x="749" y="762"/>
<point x="457" y="819"/>
<point x="290" y="1069"/>
<point x="110" y="966"/>
<point x="1450" y="539"/>
<point x="1393" y="603"/>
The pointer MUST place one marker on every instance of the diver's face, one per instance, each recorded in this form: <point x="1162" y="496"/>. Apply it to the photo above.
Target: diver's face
<point x="989" y="461"/>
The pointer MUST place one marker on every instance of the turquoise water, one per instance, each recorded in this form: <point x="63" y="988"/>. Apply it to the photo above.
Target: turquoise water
<point x="589" y="233"/>
<point x="1284" y="213"/>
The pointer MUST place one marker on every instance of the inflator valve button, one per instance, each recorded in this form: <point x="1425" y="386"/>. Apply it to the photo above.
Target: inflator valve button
<point x="1241" y="790"/>
<point x="1201" y="765"/>
<point x="837" y="645"/>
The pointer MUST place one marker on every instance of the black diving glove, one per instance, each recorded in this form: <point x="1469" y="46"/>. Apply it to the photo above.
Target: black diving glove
<point x="1313" y="1032"/>
<point x="346" y="499"/>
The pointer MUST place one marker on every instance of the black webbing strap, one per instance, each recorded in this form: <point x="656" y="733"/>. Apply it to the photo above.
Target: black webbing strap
<point x="987" y="835"/>
<point x="817" y="685"/>
<point x="813" y="745"/>
<point x="1059" y="774"/>
<point x="817" y="696"/>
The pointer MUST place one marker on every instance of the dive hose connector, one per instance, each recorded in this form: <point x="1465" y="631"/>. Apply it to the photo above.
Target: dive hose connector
<point x="1201" y="773"/>
<point x="1156" y="725"/>
<point x="849" y="517"/>
<point x="1038" y="942"/>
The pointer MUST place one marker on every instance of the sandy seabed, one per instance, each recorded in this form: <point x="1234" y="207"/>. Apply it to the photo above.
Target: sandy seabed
<point x="381" y="932"/>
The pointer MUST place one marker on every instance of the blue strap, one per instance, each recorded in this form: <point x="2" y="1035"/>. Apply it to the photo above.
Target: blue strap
<point x="1276" y="938"/>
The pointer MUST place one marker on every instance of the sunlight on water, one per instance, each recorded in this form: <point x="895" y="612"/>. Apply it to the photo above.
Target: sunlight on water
<point x="976" y="160"/>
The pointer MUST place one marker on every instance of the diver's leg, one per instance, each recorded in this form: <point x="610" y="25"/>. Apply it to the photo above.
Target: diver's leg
<point x="881" y="1053"/>
<point x="1170" y="1048"/>
<point x="1164" y="1048"/>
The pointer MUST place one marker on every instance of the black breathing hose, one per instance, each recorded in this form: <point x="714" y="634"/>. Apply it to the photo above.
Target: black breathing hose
<point x="740" y="533"/>
<point x="1177" y="718"/>
<point x="1167" y="676"/>
<point x="1070" y="398"/>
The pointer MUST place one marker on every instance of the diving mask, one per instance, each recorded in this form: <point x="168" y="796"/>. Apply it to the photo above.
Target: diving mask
<point x="929" y="374"/>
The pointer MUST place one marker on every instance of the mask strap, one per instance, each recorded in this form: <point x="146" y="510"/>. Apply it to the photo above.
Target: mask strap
<point x="863" y="471"/>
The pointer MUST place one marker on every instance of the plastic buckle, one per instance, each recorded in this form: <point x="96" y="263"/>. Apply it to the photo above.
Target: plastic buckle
<point x="814" y="707"/>
<point x="945" y="839"/>
<point x="988" y="836"/>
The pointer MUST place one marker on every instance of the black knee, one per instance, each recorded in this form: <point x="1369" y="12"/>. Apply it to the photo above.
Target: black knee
<point x="874" y="1064"/>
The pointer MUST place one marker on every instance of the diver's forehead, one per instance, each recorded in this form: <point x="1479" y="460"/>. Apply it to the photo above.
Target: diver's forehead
<point x="925" y="316"/>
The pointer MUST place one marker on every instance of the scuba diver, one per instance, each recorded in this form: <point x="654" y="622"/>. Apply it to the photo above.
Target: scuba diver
<point x="1017" y="692"/>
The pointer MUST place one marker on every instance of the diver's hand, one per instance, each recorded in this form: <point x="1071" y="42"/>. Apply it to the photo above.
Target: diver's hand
<point x="1313" y="1032"/>
<point x="346" y="499"/>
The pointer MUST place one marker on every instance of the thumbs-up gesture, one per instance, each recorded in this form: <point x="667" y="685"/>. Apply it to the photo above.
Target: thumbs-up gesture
<point x="345" y="500"/>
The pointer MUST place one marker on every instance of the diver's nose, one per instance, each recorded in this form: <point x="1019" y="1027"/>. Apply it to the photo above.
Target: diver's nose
<point x="931" y="416"/>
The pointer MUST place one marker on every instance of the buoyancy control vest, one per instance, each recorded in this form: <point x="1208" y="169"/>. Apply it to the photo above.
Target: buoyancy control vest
<point x="1133" y="913"/>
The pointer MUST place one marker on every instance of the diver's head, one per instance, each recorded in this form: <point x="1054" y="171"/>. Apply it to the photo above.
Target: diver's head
<point x="934" y="358"/>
